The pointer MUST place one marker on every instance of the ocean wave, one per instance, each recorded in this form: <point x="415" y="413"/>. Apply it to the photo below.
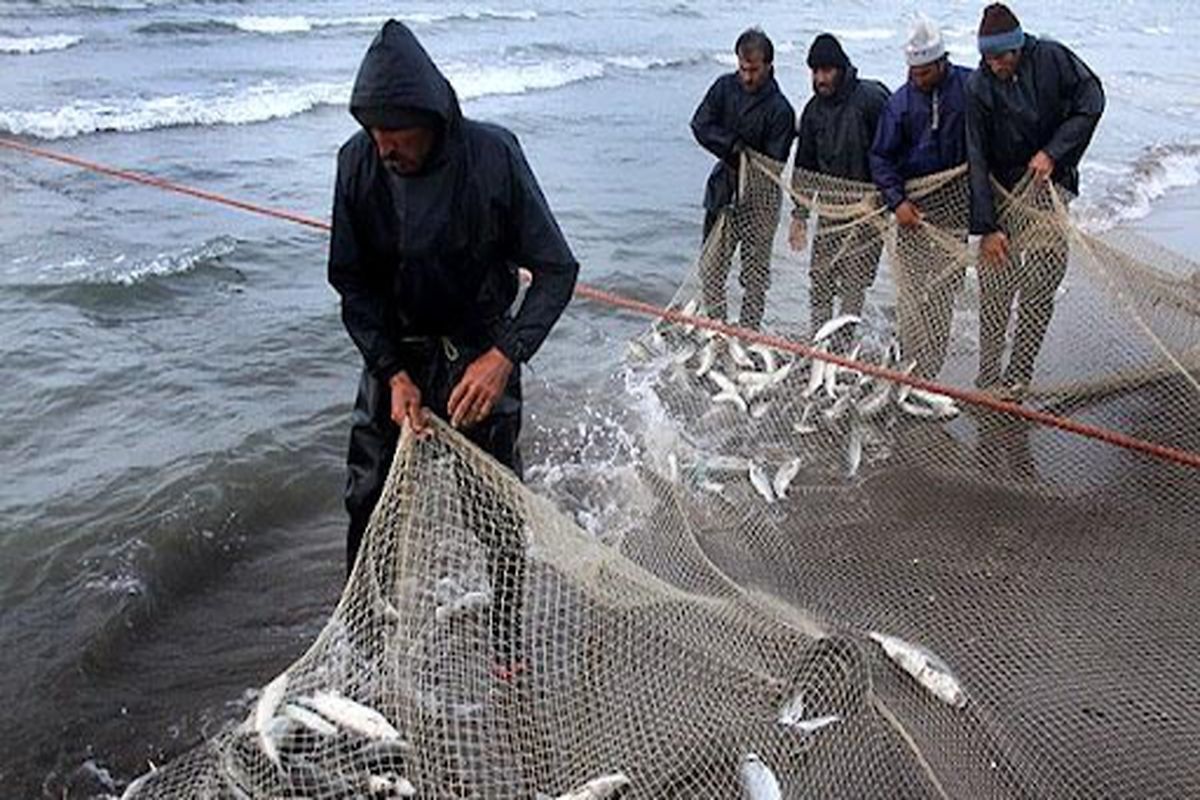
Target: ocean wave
<point x="280" y="25"/>
<point x="119" y="270"/>
<point x="28" y="45"/>
<point x="258" y="103"/>
<point x="268" y="101"/>
<point x="644" y="63"/>
<point x="1133" y="190"/>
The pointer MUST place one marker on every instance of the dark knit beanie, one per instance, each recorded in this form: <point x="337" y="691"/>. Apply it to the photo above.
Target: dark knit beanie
<point x="999" y="31"/>
<point x="826" y="51"/>
<point x="998" y="18"/>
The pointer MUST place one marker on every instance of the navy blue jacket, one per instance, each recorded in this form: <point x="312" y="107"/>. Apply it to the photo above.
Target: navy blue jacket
<point x="920" y="134"/>
<point x="1053" y="103"/>
<point x="436" y="253"/>
<point x="728" y="117"/>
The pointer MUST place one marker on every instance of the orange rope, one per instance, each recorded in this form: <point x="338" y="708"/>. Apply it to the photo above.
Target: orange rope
<point x="583" y="290"/>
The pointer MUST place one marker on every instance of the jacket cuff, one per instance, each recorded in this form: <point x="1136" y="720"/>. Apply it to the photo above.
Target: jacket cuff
<point x="893" y="198"/>
<point x="386" y="367"/>
<point x="513" y="348"/>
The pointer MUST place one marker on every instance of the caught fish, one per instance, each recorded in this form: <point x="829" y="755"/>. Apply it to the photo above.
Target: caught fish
<point x="761" y="482"/>
<point x="925" y="667"/>
<point x="264" y="712"/>
<point x="877" y="401"/>
<point x="780" y="375"/>
<point x="792" y="715"/>
<point x="803" y="426"/>
<point x="831" y="378"/>
<point x="916" y="410"/>
<point x="351" y="715"/>
<point x="733" y="398"/>
<point x="834" y="325"/>
<point x="689" y="310"/>
<point x="816" y="375"/>
<point x="673" y="467"/>
<point x="759" y="410"/>
<point x="766" y="354"/>
<point x="598" y="788"/>
<point x="839" y="408"/>
<point x="638" y="351"/>
<point x="390" y="784"/>
<point x="708" y="355"/>
<point x="855" y="451"/>
<point x="465" y="605"/>
<point x="758" y="781"/>
<point x="784" y="477"/>
<point x="739" y="354"/>
<point x="683" y="356"/>
<point x="903" y="392"/>
<point x="309" y="719"/>
<point x="723" y="383"/>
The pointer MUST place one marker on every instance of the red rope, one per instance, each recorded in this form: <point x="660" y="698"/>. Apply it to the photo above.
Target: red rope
<point x="583" y="290"/>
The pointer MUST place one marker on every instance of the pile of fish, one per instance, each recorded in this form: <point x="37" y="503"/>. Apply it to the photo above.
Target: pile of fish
<point x="778" y="391"/>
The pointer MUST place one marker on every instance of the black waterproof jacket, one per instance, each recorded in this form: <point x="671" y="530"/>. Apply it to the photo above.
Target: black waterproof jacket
<point x="729" y="117"/>
<point x="836" y="132"/>
<point x="1053" y="103"/>
<point x="436" y="254"/>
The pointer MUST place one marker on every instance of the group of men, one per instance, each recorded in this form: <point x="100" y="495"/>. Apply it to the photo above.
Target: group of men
<point x="1030" y="108"/>
<point x="434" y="214"/>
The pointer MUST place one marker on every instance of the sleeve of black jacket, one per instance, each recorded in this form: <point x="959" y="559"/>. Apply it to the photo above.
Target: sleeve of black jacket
<point x="540" y="247"/>
<point x="781" y="130"/>
<point x="364" y="304"/>
<point x="1084" y="104"/>
<point x="983" y="204"/>
<point x="712" y="134"/>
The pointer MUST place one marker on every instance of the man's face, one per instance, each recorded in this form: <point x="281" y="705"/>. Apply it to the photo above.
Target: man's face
<point x="753" y="71"/>
<point x="403" y="150"/>
<point x="1003" y="65"/>
<point x="926" y="76"/>
<point x="826" y="80"/>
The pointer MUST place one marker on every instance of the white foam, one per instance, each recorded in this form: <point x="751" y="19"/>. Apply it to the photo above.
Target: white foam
<point x="1158" y="30"/>
<point x="122" y="271"/>
<point x="473" y="82"/>
<point x="258" y="103"/>
<point x="864" y="34"/>
<point x="644" y="63"/>
<point x="1160" y="170"/>
<point x="28" y="45"/>
<point x="277" y="25"/>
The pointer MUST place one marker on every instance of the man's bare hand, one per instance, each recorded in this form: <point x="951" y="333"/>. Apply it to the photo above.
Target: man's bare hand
<point x="798" y="235"/>
<point x="406" y="402"/>
<point x="481" y="386"/>
<point x="908" y="215"/>
<point x="1041" y="165"/>
<point x="993" y="249"/>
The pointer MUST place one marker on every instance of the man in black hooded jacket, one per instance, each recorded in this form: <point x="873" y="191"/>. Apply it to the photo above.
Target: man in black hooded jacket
<point x="432" y="216"/>
<point x="742" y="110"/>
<point x="1032" y="107"/>
<point x="837" y="128"/>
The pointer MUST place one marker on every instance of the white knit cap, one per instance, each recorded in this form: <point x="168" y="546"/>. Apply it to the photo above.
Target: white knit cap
<point x="924" y="45"/>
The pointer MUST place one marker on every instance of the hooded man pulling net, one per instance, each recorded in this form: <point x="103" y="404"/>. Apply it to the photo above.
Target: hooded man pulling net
<point x="1032" y="108"/>
<point x="742" y="110"/>
<point x="836" y="130"/>
<point x="433" y="214"/>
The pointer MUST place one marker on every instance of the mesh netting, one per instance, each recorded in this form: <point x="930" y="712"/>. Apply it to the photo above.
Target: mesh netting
<point x="850" y="572"/>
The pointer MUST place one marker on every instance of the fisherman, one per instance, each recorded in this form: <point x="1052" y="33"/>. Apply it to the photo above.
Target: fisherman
<point x="743" y="110"/>
<point x="1032" y="108"/>
<point x="923" y="132"/>
<point x="837" y="127"/>
<point x="433" y="214"/>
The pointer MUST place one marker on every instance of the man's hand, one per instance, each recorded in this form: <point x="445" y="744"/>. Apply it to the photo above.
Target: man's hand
<point x="480" y="387"/>
<point x="406" y="402"/>
<point x="908" y="215"/>
<point x="1041" y="165"/>
<point x="993" y="249"/>
<point x="798" y="234"/>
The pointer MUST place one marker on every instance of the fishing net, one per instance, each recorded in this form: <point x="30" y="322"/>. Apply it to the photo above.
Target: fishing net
<point x="848" y="571"/>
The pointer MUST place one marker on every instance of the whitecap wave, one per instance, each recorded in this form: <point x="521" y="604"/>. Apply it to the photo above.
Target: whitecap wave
<point x="121" y="270"/>
<point x="269" y="101"/>
<point x="28" y="45"/>
<point x="258" y="103"/>
<point x="644" y="63"/>
<point x="278" y="25"/>
<point x="1134" y="189"/>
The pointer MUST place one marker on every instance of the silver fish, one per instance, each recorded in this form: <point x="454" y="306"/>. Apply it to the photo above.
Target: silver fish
<point x="264" y="712"/>
<point x="916" y="410"/>
<point x="834" y="325"/>
<point x="803" y="426"/>
<point x="766" y="354"/>
<point x="734" y="398"/>
<point x="925" y="667"/>
<point x="761" y="482"/>
<point x="309" y="719"/>
<point x="784" y="477"/>
<point x="758" y="781"/>
<point x="708" y="355"/>
<point x="689" y="310"/>
<point x="638" y="351"/>
<point x="759" y="410"/>
<point x="831" y="378"/>
<point x="816" y="375"/>
<point x="712" y="486"/>
<point x="351" y="715"/>
<point x="903" y="392"/>
<point x="877" y="401"/>
<point x="673" y="467"/>
<point x="598" y="788"/>
<point x="839" y="408"/>
<point x="792" y="715"/>
<point x="723" y="383"/>
<point x="780" y="375"/>
<point x="683" y="356"/>
<point x="855" y="453"/>
<point x="739" y="354"/>
<point x="465" y="605"/>
<point x="390" y="784"/>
